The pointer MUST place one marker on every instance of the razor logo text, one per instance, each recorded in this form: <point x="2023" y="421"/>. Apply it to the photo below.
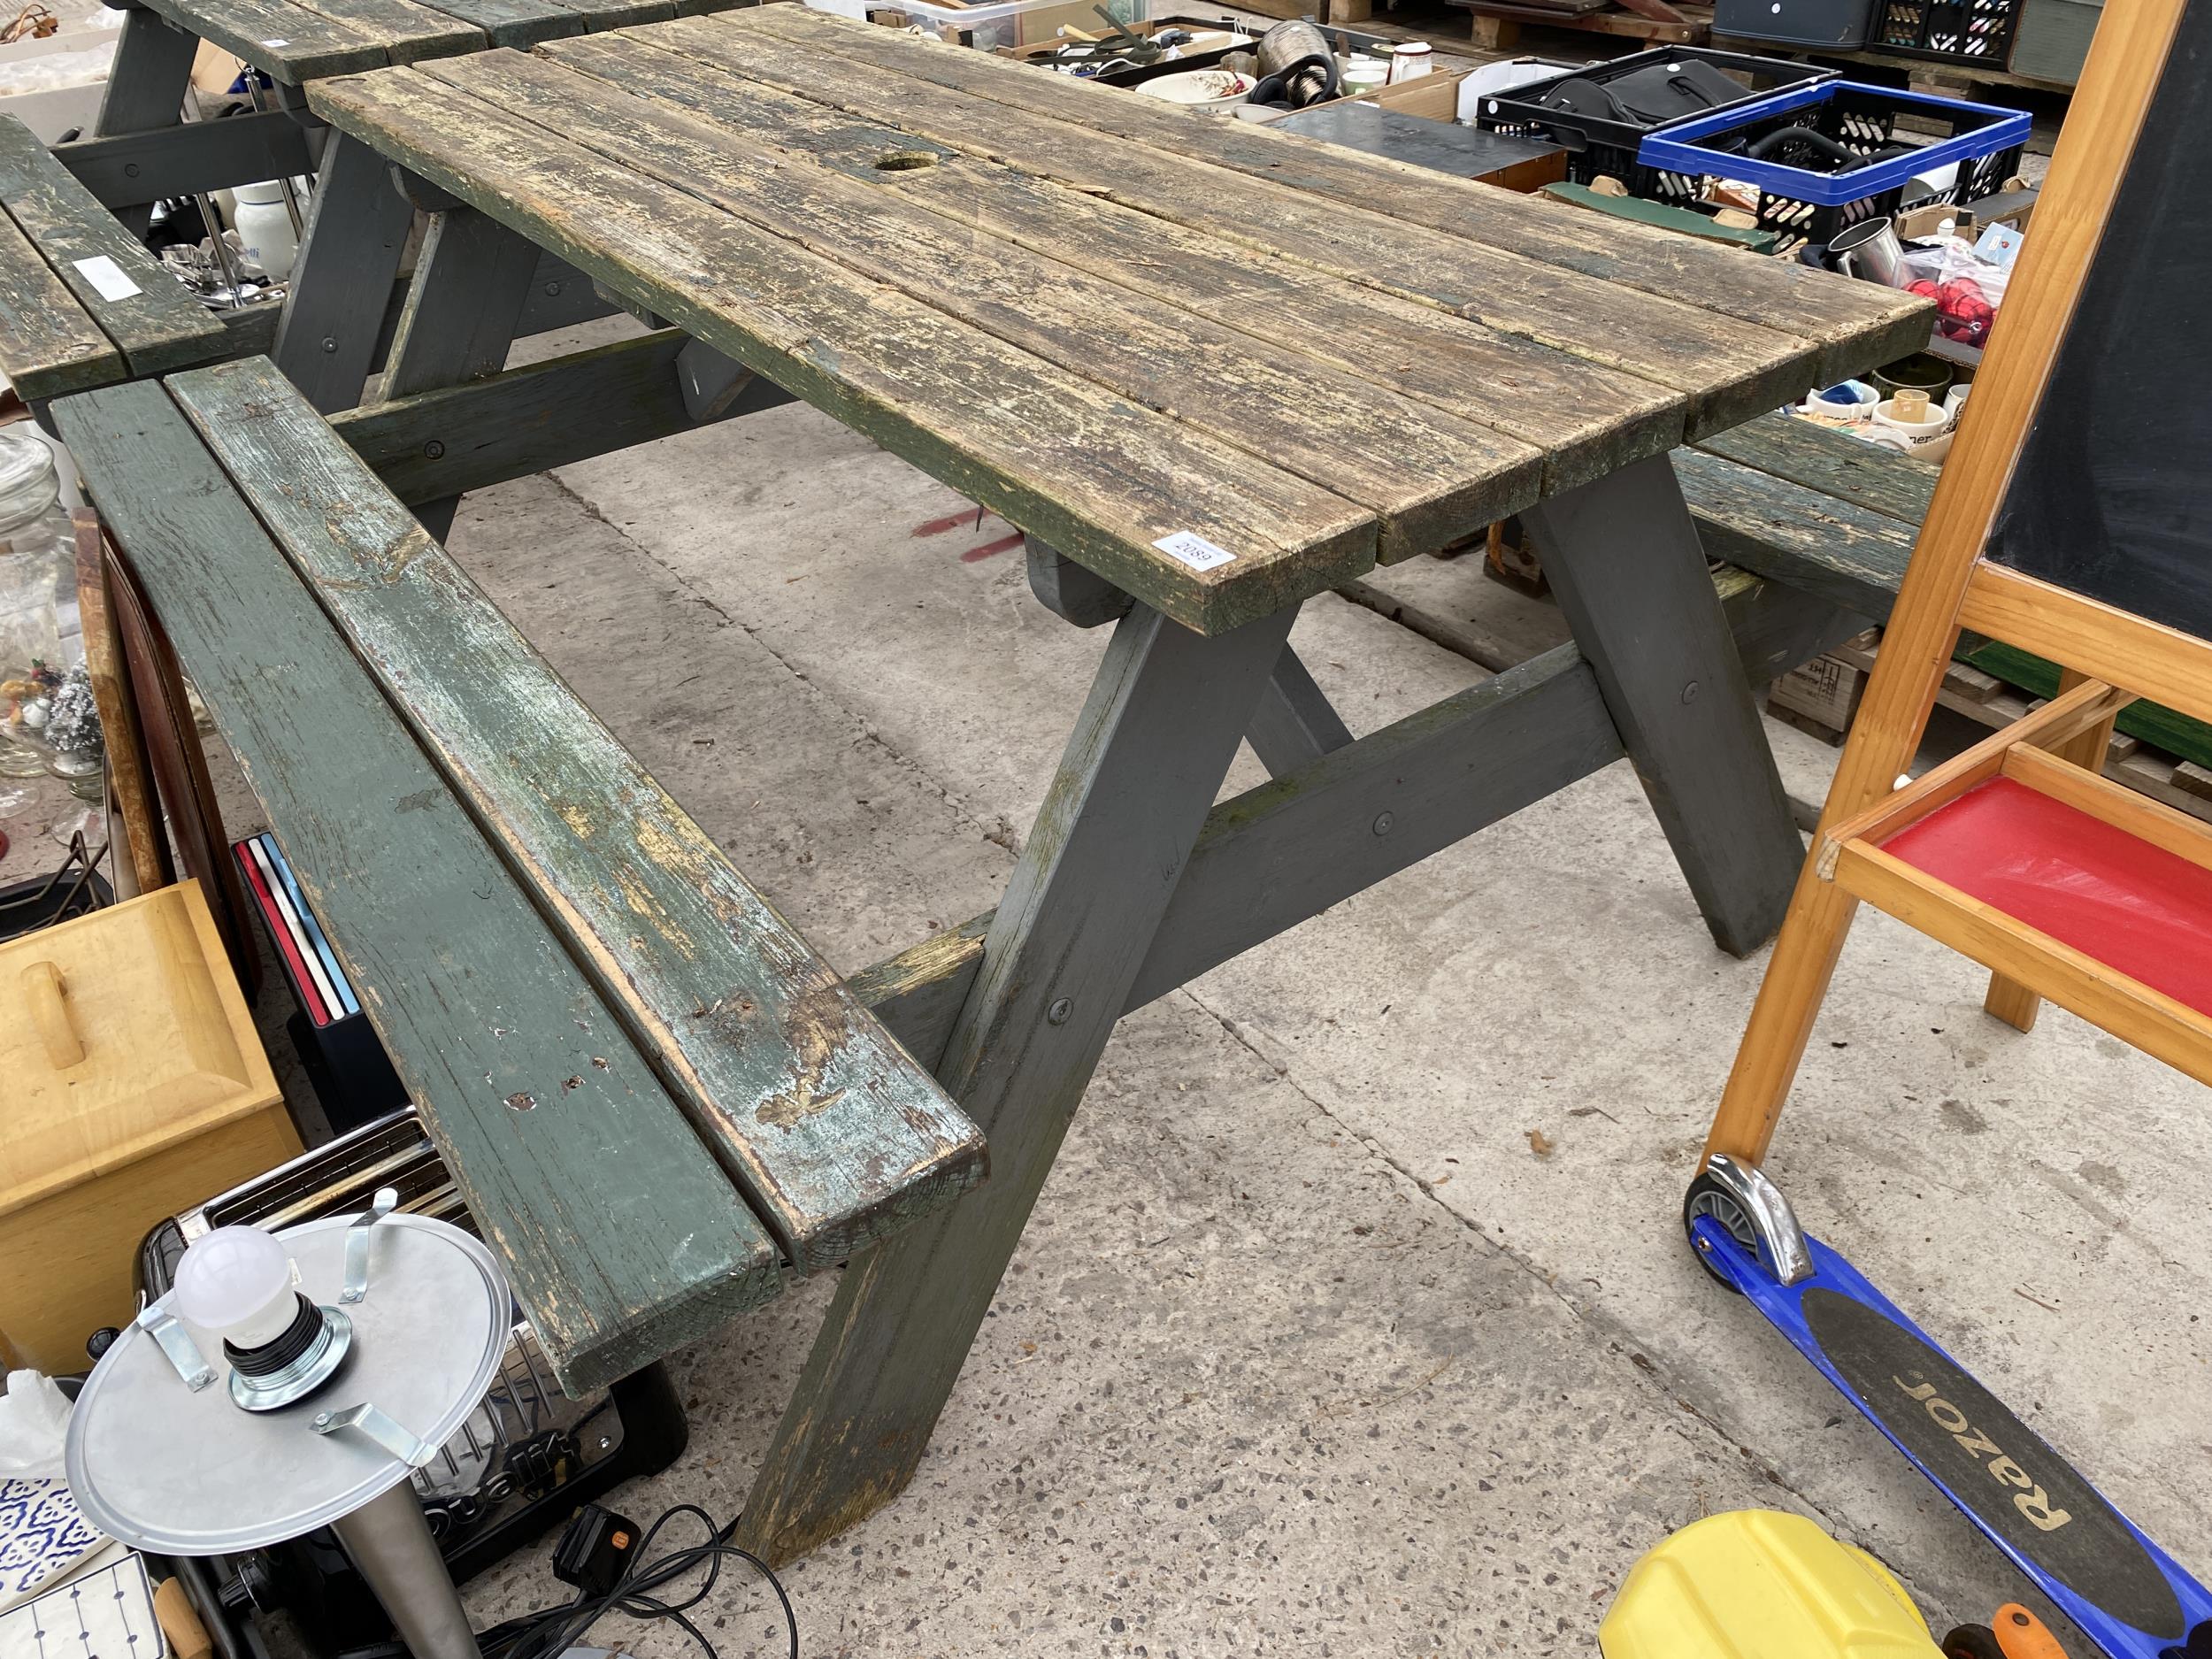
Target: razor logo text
<point x="2029" y="1498"/>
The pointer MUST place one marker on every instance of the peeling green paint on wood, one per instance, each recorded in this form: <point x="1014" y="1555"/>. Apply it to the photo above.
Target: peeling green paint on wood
<point x="1848" y="555"/>
<point x="1881" y="481"/>
<point x="830" y="1129"/>
<point x="621" y="1236"/>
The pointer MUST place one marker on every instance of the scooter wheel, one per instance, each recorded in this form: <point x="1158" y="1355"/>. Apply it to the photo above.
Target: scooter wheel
<point x="1972" y="1641"/>
<point x="1708" y="1199"/>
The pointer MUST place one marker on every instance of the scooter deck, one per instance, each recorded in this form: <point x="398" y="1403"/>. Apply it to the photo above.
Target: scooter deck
<point x="2124" y="1592"/>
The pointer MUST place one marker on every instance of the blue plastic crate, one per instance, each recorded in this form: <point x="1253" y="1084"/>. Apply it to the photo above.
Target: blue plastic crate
<point x="1811" y="125"/>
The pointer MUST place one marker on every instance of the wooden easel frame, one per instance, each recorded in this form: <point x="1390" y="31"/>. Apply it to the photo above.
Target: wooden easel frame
<point x="1950" y="586"/>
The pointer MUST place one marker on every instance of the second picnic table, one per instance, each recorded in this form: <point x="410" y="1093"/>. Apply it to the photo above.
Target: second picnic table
<point x="1212" y="371"/>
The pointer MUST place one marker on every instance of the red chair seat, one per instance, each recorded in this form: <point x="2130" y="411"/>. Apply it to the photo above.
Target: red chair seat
<point x="2129" y="904"/>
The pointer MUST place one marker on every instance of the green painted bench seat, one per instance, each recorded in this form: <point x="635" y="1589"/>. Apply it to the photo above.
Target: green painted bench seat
<point x="1821" y="511"/>
<point x="81" y="303"/>
<point x="658" y="1100"/>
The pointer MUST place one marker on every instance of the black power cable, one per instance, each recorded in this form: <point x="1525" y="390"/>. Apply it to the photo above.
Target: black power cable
<point x="551" y="1631"/>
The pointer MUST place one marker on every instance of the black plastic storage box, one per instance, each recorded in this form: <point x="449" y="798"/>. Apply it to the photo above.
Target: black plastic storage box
<point x="1952" y="31"/>
<point x="1847" y="24"/>
<point x="1597" y="147"/>
<point x="1827" y="155"/>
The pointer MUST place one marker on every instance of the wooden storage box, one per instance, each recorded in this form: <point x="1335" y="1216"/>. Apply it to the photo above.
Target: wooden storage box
<point x="135" y="1087"/>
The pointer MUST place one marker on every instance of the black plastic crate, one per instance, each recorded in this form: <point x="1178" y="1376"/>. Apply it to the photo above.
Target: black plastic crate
<point x="1952" y="31"/>
<point x="1597" y="148"/>
<point x="1806" y="194"/>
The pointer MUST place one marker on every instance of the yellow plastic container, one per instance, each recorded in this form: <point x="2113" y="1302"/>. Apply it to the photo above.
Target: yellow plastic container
<point x="1757" y="1584"/>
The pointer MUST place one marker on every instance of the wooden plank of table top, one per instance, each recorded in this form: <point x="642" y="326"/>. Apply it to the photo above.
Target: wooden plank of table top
<point x="47" y="344"/>
<point x="1588" y="421"/>
<point x="1728" y="370"/>
<point x="622" y="1237"/>
<point x="408" y="31"/>
<point x="835" y="1134"/>
<point x="1858" y="325"/>
<point x="1097" y="476"/>
<point x="1431" y="479"/>
<point x="161" y="326"/>
<point x="517" y="23"/>
<point x="615" y="14"/>
<point x="297" y="42"/>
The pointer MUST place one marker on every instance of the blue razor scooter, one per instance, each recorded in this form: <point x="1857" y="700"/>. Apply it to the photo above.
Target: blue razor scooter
<point x="2125" y="1594"/>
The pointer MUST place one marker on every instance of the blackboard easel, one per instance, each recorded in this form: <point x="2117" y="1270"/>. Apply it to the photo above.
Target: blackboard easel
<point x="2074" y="520"/>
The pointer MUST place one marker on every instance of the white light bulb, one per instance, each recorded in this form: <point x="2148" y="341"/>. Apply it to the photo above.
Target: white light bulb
<point x="237" y="1283"/>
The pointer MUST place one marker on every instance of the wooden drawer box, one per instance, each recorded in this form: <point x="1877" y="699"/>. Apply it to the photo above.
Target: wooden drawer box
<point x="136" y="1086"/>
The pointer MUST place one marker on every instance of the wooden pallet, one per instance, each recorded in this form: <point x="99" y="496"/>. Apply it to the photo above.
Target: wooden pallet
<point x="1826" y="691"/>
<point x="1950" y="77"/>
<point x="1496" y="25"/>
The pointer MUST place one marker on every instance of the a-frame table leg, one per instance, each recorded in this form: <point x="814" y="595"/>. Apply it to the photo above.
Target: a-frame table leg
<point x="357" y="229"/>
<point x="1625" y="562"/>
<point x="1149" y="752"/>
<point x="471" y="280"/>
<point x="145" y="88"/>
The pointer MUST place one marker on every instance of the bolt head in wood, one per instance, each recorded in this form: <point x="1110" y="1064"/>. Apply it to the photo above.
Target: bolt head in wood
<point x="1058" y="1014"/>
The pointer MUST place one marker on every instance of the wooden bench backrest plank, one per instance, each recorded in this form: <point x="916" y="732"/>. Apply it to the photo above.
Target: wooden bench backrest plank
<point x="831" y="1128"/>
<point x="621" y="1235"/>
<point x="158" y="327"/>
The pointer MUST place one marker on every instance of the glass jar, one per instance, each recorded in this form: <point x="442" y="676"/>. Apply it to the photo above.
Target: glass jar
<point x="39" y="629"/>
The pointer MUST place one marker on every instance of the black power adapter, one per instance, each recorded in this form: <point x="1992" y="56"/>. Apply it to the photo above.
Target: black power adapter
<point x="595" y="1550"/>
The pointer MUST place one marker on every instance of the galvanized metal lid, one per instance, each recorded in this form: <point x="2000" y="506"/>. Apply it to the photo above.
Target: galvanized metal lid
<point x="184" y="1472"/>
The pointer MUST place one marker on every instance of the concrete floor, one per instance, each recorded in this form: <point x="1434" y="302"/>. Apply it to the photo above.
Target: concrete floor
<point x="1356" y="1318"/>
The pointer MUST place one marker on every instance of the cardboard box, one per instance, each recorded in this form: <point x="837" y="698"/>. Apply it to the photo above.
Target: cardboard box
<point x="1825" y="692"/>
<point x="1434" y="95"/>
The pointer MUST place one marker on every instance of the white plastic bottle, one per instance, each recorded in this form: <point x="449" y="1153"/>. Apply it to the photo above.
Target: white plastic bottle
<point x="264" y="227"/>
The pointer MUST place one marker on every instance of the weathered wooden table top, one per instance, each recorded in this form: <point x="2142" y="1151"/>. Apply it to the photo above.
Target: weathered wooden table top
<point x="296" y="41"/>
<point x="1224" y="366"/>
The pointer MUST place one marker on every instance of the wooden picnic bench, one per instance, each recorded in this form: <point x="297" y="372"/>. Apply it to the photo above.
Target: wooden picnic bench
<point x="1210" y="370"/>
<point x="659" y="1104"/>
<point x="1827" y="515"/>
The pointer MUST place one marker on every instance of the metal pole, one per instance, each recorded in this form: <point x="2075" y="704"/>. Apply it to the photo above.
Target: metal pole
<point x="390" y="1542"/>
